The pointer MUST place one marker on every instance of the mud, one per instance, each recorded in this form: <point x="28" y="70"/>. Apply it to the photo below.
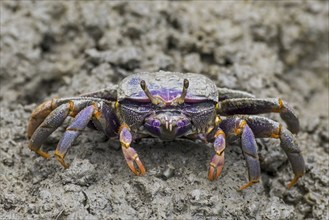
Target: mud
<point x="57" y="49"/>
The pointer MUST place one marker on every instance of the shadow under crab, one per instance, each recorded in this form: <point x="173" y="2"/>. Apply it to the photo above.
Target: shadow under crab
<point x="169" y="105"/>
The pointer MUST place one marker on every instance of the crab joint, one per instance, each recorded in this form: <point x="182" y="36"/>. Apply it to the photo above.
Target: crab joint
<point x="239" y="128"/>
<point x="40" y="152"/>
<point x="277" y="132"/>
<point x="125" y="136"/>
<point x="218" y="120"/>
<point x="219" y="132"/>
<point x="60" y="158"/>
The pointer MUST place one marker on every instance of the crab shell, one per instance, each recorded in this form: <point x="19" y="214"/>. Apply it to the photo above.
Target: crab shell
<point x="167" y="85"/>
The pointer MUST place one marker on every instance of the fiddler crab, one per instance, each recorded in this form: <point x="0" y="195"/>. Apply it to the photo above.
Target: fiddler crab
<point x="170" y="105"/>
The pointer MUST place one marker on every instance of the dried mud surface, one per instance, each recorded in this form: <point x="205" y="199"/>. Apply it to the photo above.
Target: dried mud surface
<point x="57" y="49"/>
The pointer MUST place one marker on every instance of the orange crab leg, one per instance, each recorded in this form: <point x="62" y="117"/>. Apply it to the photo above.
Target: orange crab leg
<point x="39" y="115"/>
<point x="48" y="126"/>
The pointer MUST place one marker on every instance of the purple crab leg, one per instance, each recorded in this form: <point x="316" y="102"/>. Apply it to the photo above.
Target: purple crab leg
<point x="249" y="149"/>
<point x="217" y="161"/>
<point x="48" y="126"/>
<point x="266" y="128"/>
<point x="259" y="106"/>
<point x="48" y="117"/>
<point x="107" y="121"/>
<point x="73" y="131"/>
<point x="234" y="128"/>
<point x="44" y="109"/>
<point x="224" y="93"/>
<point x="132" y="159"/>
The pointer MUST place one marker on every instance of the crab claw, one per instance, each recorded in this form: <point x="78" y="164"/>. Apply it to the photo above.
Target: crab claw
<point x="129" y="153"/>
<point x="217" y="161"/>
<point x="216" y="166"/>
<point x="133" y="161"/>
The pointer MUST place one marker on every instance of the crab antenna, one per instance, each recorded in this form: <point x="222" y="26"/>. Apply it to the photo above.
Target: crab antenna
<point x="181" y="99"/>
<point x="154" y="100"/>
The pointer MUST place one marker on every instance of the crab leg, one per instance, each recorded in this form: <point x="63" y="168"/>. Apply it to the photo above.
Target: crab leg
<point x="48" y="117"/>
<point x="48" y="126"/>
<point x="73" y="131"/>
<point x="224" y="93"/>
<point x="44" y="109"/>
<point x="235" y="127"/>
<point x="249" y="149"/>
<point x="266" y="128"/>
<point x="217" y="161"/>
<point x="129" y="153"/>
<point x="39" y="115"/>
<point x="259" y="106"/>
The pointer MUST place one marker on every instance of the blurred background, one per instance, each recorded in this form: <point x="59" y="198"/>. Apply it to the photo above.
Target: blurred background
<point x="64" y="48"/>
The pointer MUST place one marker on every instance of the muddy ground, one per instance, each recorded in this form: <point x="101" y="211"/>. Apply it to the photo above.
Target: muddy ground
<point x="57" y="49"/>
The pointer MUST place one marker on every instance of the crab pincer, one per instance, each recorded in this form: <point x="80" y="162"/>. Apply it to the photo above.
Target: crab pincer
<point x="132" y="159"/>
<point x="217" y="161"/>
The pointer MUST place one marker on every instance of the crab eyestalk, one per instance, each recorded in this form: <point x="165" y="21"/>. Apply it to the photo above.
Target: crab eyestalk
<point x="181" y="99"/>
<point x="153" y="99"/>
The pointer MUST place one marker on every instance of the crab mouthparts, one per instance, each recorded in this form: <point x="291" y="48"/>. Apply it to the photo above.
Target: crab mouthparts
<point x="169" y="123"/>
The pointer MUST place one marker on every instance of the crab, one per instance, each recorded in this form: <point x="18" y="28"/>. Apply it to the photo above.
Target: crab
<point x="171" y="105"/>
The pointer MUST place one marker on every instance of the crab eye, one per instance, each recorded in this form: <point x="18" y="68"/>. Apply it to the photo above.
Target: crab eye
<point x="181" y="123"/>
<point x="156" y="123"/>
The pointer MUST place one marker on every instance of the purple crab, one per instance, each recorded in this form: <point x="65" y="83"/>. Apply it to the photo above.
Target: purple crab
<point x="169" y="105"/>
